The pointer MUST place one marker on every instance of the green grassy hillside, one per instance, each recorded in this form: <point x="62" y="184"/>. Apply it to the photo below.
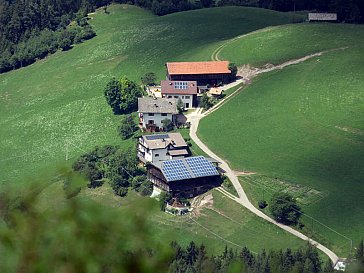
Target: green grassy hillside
<point x="59" y="99"/>
<point x="303" y="124"/>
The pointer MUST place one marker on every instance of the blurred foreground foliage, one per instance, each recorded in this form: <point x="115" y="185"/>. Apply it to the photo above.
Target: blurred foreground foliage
<point x="76" y="236"/>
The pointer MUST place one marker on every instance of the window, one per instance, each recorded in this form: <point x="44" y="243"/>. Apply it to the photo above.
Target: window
<point x="150" y="121"/>
<point x="164" y="114"/>
<point x="180" y="85"/>
<point x="156" y="155"/>
<point x="151" y="114"/>
<point x="187" y="97"/>
<point x="176" y="97"/>
<point x="169" y="97"/>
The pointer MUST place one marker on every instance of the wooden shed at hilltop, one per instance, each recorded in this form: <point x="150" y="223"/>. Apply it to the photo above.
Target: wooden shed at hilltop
<point x="204" y="73"/>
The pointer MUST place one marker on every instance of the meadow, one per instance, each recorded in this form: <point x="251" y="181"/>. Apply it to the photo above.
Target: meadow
<point x="56" y="108"/>
<point x="220" y="223"/>
<point x="303" y="124"/>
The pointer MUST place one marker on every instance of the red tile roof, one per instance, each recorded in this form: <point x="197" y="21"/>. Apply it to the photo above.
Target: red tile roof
<point x="192" y="68"/>
<point x="168" y="87"/>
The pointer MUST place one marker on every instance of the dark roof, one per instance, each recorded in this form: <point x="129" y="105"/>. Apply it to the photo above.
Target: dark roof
<point x="187" y="168"/>
<point x="194" y="68"/>
<point x="179" y="87"/>
<point x="157" y="105"/>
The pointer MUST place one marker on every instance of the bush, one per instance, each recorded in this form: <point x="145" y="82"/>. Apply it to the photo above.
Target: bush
<point x="285" y="209"/>
<point x="167" y="125"/>
<point x="262" y="204"/>
<point x="127" y="127"/>
<point x="164" y="198"/>
<point x="206" y="103"/>
<point x="149" y="79"/>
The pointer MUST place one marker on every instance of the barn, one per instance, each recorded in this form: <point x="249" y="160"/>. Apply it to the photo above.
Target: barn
<point x="188" y="176"/>
<point x="204" y="73"/>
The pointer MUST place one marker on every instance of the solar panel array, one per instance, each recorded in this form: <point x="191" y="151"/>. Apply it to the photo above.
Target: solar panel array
<point x="155" y="137"/>
<point x="180" y="85"/>
<point x="200" y="166"/>
<point x="188" y="168"/>
<point x="175" y="170"/>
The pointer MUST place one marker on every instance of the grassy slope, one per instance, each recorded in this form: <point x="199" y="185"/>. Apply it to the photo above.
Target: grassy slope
<point x="239" y="225"/>
<point x="59" y="99"/>
<point x="305" y="123"/>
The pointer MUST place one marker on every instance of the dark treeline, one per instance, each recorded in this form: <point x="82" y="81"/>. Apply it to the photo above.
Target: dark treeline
<point x="31" y="29"/>
<point x="196" y="259"/>
<point x="163" y="7"/>
<point x="351" y="11"/>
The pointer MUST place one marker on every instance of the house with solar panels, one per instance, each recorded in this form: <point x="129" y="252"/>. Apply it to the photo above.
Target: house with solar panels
<point x="188" y="176"/>
<point x="186" y="91"/>
<point x="161" y="147"/>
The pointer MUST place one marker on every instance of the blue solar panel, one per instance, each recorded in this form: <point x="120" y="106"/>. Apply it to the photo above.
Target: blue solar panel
<point x="174" y="170"/>
<point x="154" y="137"/>
<point x="200" y="166"/>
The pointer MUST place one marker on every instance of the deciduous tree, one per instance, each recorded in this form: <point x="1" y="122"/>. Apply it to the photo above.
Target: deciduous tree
<point x="285" y="209"/>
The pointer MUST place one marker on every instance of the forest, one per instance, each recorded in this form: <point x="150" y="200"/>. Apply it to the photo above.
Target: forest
<point x="32" y="29"/>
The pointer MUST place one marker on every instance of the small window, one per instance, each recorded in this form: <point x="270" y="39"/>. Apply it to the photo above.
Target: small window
<point x="150" y="121"/>
<point x="164" y="114"/>
<point x="187" y="97"/>
<point x="169" y="97"/>
<point x="156" y="155"/>
<point x="176" y="97"/>
<point x="151" y="114"/>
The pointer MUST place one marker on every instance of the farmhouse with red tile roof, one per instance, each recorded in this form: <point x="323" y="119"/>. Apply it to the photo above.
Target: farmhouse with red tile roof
<point x="203" y="72"/>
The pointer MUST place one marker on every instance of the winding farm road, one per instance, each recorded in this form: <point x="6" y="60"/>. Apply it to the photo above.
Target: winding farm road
<point x="195" y="117"/>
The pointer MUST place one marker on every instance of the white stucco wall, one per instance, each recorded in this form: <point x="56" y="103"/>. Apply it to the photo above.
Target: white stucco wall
<point x="157" y="118"/>
<point x="162" y="155"/>
<point x="185" y="99"/>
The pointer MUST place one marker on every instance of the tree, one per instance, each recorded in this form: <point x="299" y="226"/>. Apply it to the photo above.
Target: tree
<point x="112" y="95"/>
<point x="122" y="167"/>
<point x="164" y="198"/>
<point x="92" y="165"/>
<point x="234" y="70"/>
<point x="167" y="125"/>
<point x="206" y="3"/>
<point x="127" y="127"/>
<point x="64" y="40"/>
<point x="329" y="267"/>
<point x="149" y="79"/>
<point x="284" y="209"/>
<point x="122" y="95"/>
<point x="180" y="105"/>
<point x="206" y="102"/>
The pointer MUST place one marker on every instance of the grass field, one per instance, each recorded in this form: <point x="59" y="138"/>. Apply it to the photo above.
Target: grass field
<point x="59" y="100"/>
<point x="239" y="226"/>
<point x="304" y="124"/>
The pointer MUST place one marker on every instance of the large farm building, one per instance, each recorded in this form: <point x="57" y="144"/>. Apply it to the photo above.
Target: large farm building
<point x="204" y="73"/>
